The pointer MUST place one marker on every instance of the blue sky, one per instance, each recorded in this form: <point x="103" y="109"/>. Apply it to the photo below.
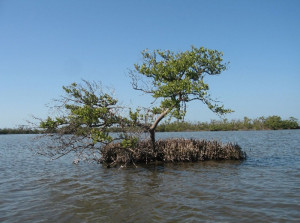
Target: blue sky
<point x="47" y="44"/>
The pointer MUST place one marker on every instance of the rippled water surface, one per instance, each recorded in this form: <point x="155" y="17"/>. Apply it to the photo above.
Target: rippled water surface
<point x="264" y="188"/>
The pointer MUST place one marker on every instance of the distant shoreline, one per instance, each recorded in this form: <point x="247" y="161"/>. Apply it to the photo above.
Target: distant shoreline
<point x="261" y="123"/>
<point x="39" y="132"/>
<point x="13" y="131"/>
<point x="247" y="124"/>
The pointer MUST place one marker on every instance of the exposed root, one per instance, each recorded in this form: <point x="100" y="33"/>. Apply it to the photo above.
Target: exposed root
<point x="171" y="150"/>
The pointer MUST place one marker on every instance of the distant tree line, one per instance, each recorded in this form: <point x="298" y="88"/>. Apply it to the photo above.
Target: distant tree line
<point x="261" y="123"/>
<point x="20" y="130"/>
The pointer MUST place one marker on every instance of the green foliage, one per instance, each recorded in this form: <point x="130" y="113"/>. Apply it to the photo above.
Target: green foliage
<point x="134" y="116"/>
<point x="20" y="130"/>
<point x="275" y="122"/>
<point x="100" y="136"/>
<point x="86" y="111"/>
<point x="261" y="123"/>
<point x="129" y="142"/>
<point x="87" y="108"/>
<point x="50" y="124"/>
<point x="178" y="78"/>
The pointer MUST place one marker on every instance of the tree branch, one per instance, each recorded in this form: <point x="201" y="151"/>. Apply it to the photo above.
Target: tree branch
<point x="159" y="118"/>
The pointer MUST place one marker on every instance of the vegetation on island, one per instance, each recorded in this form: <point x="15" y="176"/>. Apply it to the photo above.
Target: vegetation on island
<point x="173" y="80"/>
<point x="86" y="113"/>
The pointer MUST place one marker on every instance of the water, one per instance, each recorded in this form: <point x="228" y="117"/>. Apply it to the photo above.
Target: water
<point x="264" y="188"/>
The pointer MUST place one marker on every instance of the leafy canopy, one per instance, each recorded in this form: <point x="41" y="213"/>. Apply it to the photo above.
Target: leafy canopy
<point x="178" y="78"/>
<point x="84" y="123"/>
<point x="86" y="111"/>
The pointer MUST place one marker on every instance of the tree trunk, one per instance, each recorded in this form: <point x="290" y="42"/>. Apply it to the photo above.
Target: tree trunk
<point x="153" y="127"/>
<point x="152" y="138"/>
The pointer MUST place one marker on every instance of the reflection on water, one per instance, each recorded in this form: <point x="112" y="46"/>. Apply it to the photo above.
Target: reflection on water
<point x="264" y="188"/>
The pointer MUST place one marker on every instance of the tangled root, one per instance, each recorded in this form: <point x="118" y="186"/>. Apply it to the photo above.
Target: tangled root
<point x="170" y="150"/>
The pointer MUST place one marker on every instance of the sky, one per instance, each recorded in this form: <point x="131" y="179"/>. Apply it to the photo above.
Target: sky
<point x="45" y="45"/>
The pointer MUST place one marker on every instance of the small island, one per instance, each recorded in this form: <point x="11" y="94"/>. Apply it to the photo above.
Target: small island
<point x="88" y="115"/>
